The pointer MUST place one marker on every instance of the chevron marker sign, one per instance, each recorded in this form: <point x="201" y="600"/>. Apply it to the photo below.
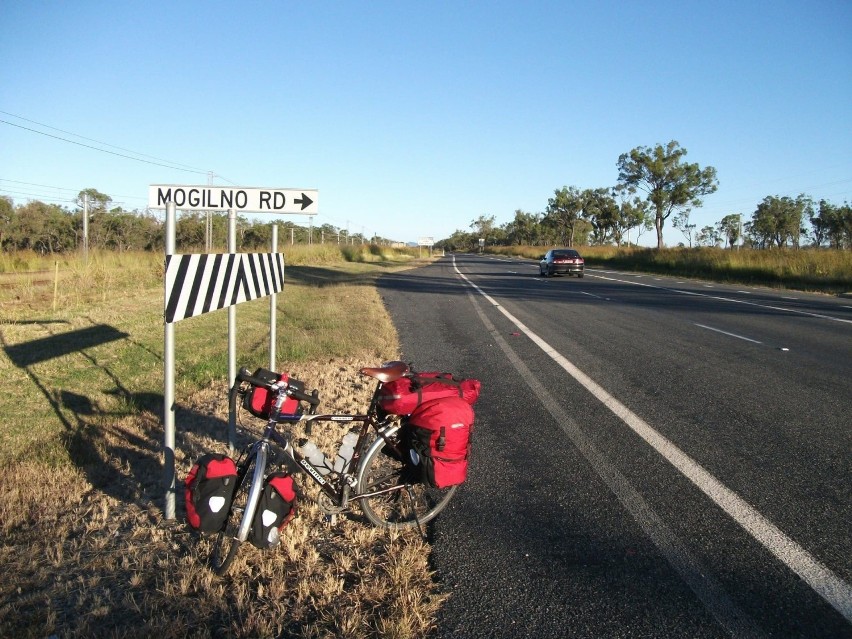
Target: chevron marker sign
<point x="200" y="283"/>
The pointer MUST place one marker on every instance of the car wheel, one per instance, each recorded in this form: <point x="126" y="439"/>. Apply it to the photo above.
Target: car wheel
<point x="579" y="275"/>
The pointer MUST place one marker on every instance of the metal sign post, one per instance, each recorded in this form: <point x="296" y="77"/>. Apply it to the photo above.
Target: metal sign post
<point x="273" y="301"/>
<point x="169" y="385"/>
<point x="199" y="283"/>
<point x="232" y="332"/>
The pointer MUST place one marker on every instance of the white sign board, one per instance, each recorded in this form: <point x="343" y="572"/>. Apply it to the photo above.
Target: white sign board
<point x="426" y="241"/>
<point x="239" y="198"/>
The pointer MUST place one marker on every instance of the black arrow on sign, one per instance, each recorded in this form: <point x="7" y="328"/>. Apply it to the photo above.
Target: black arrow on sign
<point x="305" y="201"/>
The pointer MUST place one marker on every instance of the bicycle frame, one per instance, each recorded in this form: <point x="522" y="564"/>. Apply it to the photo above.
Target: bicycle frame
<point x="337" y="488"/>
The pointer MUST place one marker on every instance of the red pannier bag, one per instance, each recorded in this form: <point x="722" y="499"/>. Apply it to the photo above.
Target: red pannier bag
<point x="404" y="395"/>
<point x="440" y="431"/>
<point x="258" y="400"/>
<point x="275" y="509"/>
<point x="208" y="491"/>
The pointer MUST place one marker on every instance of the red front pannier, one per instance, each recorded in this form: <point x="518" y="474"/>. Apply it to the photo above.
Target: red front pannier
<point x="258" y="400"/>
<point x="208" y="491"/>
<point x="404" y="395"/>
<point x="440" y="432"/>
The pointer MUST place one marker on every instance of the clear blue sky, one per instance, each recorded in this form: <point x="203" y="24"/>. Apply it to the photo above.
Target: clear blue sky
<point x="415" y="118"/>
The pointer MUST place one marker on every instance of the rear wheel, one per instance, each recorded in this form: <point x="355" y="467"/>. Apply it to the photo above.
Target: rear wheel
<point x="400" y="500"/>
<point x="226" y="544"/>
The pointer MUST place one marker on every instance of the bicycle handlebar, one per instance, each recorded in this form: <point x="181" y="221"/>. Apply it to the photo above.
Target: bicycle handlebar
<point x="245" y="376"/>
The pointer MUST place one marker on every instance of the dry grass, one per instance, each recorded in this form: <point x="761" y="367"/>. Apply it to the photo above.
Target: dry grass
<point x="84" y="546"/>
<point x="826" y="270"/>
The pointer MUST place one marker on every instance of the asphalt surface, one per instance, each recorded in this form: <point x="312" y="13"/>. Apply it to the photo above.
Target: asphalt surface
<point x="652" y="457"/>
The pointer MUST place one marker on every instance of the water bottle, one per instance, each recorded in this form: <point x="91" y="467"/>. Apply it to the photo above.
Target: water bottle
<point x="309" y="451"/>
<point x="347" y="447"/>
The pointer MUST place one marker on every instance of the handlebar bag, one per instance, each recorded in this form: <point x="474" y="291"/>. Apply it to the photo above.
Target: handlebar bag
<point x="440" y="433"/>
<point x="258" y="400"/>
<point x="208" y="491"/>
<point x="277" y="506"/>
<point x="404" y="395"/>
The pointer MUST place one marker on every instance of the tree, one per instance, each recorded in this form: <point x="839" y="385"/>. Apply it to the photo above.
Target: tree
<point x="670" y="183"/>
<point x="631" y="214"/>
<point x="483" y="227"/>
<point x="681" y="222"/>
<point x="563" y="213"/>
<point x="832" y="223"/>
<point x="601" y="211"/>
<point x="778" y="220"/>
<point x="708" y="236"/>
<point x="729" y="228"/>
<point x="7" y="212"/>
<point x="524" y="229"/>
<point x="97" y="201"/>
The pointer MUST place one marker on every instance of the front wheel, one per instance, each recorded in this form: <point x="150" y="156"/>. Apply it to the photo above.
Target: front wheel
<point x="395" y="497"/>
<point x="227" y="541"/>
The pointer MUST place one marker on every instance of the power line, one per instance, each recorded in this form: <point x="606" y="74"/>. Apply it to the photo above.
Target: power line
<point x="74" y="191"/>
<point x="77" y="135"/>
<point x="88" y="146"/>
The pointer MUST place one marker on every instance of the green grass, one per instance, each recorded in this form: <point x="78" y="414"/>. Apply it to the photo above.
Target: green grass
<point x="81" y="492"/>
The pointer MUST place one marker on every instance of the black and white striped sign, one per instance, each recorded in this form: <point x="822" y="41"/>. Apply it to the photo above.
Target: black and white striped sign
<point x="199" y="283"/>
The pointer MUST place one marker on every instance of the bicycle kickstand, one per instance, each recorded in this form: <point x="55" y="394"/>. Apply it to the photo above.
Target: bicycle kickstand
<point x="414" y="512"/>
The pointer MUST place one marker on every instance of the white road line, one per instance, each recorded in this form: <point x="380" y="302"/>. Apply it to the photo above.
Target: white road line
<point x="718" y="330"/>
<point x="729" y="299"/>
<point x="591" y="294"/>
<point x="789" y="298"/>
<point x="696" y="575"/>
<point x="824" y="582"/>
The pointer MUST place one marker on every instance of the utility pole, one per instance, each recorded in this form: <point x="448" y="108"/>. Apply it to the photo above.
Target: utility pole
<point x="208" y="226"/>
<point x="86" y="229"/>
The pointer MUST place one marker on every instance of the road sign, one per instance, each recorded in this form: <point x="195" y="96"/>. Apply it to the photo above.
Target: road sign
<point x="238" y="198"/>
<point x="426" y="241"/>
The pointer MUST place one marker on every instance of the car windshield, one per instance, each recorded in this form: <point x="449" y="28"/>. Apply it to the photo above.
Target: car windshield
<point x="565" y="254"/>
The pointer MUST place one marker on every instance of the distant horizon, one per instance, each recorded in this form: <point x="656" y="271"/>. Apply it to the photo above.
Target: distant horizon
<point x="414" y="120"/>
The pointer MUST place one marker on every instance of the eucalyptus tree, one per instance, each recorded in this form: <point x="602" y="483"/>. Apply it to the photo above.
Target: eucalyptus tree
<point x="524" y="229"/>
<point x="832" y="223"/>
<point x="563" y="212"/>
<point x="729" y="228"/>
<point x="97" y="201"/>
<point x="708" y="236"/>
<point x="671" y="184"/>
<point x="483" y="227"/>
<point x="601" y="211"/>
<point x="681" y="222"/>
<point x="778" y="220"/>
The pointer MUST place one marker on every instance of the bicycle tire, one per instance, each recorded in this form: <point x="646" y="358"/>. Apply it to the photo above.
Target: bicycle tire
<point x="396" y="509"/>
<point x="227" y="541"/>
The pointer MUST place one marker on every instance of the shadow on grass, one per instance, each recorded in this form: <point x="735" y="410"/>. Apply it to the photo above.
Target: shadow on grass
<point x="119" y="450"/>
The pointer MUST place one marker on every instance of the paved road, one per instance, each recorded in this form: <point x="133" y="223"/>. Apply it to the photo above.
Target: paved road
<point x="653" y="457"/>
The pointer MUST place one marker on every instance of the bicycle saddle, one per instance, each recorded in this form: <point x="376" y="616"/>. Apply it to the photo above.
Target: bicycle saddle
<point x="388" y="372"/>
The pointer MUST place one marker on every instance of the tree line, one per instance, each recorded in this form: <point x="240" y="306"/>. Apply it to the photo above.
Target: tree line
<point x="656" y="184"/>
<point x="51" y="228"/>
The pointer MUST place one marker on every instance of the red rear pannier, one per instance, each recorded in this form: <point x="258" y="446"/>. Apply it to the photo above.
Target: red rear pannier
<point x="404" y="395"/>
<point x="440" y="432"/>
<point x="258" y="400"/>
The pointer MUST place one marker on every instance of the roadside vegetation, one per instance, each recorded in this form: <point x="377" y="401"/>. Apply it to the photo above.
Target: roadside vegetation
<point x="84" y="545"/>
<point x="820" y="270"/>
